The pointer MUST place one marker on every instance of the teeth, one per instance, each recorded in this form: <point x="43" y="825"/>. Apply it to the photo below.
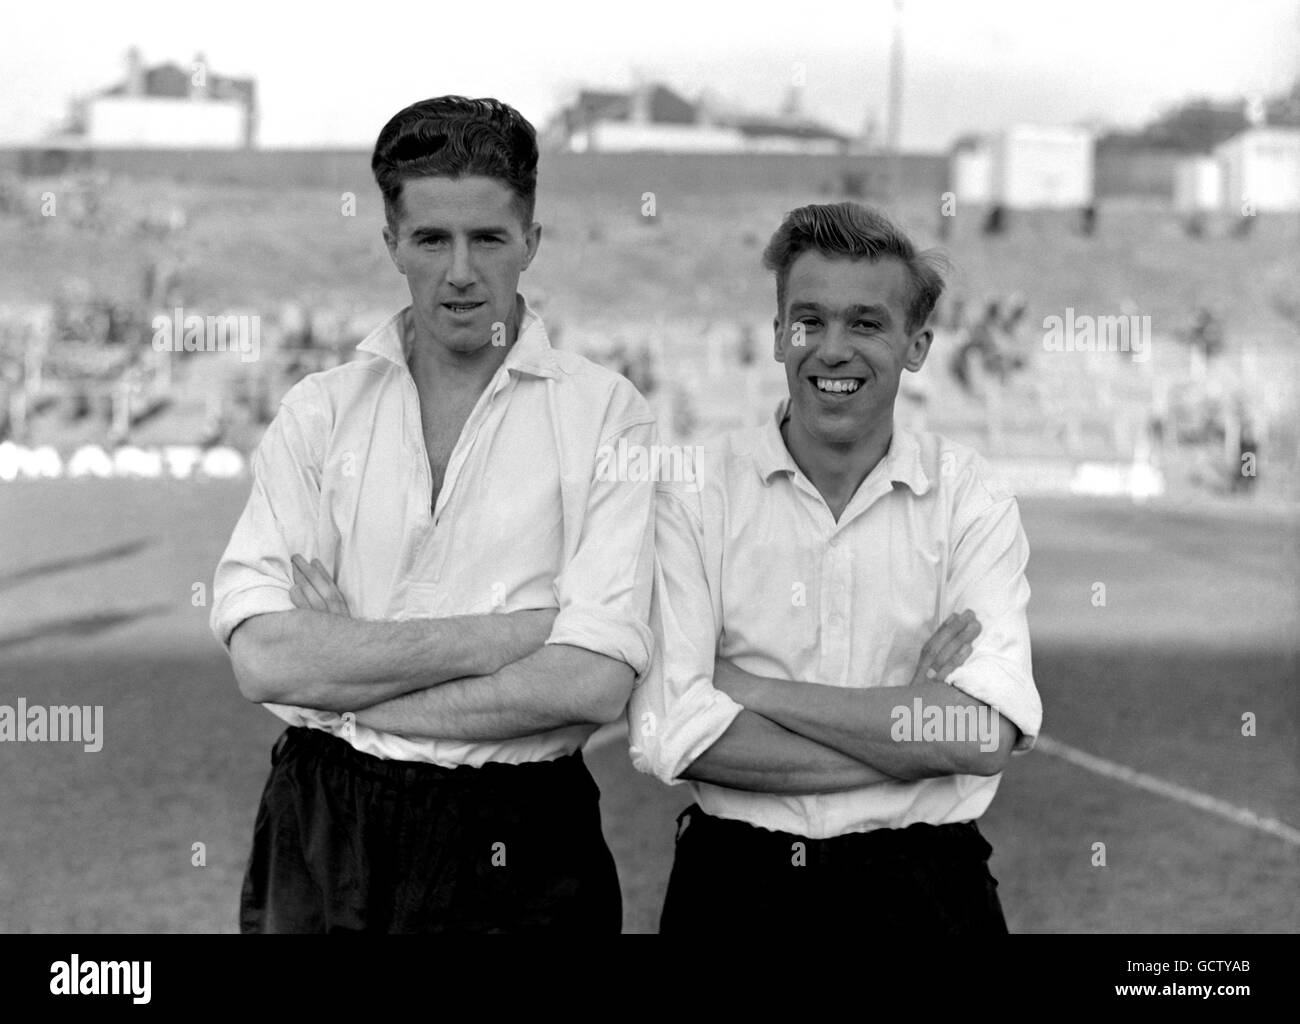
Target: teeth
<point x="836" y="386"/>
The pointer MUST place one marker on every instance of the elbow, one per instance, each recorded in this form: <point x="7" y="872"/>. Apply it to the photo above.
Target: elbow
<point x="253" y="684"/>
<point x="610" y="691"/>
<point x="254" y="657"/>
<point x="609" y="705"/>
<point x="986" y="764"/>
<point x="990" y="755"/>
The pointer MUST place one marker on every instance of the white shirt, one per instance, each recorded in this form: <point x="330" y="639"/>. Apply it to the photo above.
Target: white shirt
<point x="521" y="522"/>
<point x="755" y="569"/>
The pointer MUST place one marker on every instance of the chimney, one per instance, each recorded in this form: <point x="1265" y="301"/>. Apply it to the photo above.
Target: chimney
<point x="250" y="115"/>
<point x="134" y="72"/>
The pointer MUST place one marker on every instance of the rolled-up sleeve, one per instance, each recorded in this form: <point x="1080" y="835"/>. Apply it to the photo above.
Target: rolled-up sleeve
<point x="603" y="591"/>
<point x="254" y="575"/>
<point x="987" y="575"/>
<point x="675" y="713"/>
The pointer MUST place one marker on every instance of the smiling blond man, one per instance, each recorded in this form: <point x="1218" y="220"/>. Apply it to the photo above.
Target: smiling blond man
<point x="433" y="588"/>
<point x="842" y="664"/>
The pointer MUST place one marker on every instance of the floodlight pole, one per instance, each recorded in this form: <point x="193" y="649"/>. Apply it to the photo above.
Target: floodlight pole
<point x="894" y="131"/>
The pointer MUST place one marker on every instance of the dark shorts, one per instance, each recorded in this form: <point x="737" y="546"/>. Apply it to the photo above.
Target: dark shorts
<point x="729" y="876"/>
<point x="347" y="842"/>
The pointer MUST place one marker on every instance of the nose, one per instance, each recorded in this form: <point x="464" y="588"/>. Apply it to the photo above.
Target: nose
<point x="836" y="347"/>
<point x="460" y="274"/>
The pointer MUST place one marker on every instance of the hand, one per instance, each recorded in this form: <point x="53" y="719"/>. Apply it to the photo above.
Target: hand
<point x="948" y="648"/>
<point x="314" y="589"/>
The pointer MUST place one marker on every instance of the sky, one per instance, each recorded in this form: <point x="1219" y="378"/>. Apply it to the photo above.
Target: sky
<point x="330" y="76"/>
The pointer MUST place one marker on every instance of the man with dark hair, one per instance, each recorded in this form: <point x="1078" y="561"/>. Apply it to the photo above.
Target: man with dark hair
<point x="453" y="136"/>
<point x="431" y="586"/>
<point x="842" y="663"/>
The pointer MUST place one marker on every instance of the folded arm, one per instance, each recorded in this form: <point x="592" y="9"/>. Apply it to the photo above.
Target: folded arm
<point x="598" y="644"/>
<point x="311" y="653"/>
<point x="684" y="727"/>
<point x="554" y="687"/>
<point x="793" y="736"/>
<point x="990" y="706"/>
<point x="864" y="724"/>
<point x="315" y="659"/>
<point x="757" y="754"/>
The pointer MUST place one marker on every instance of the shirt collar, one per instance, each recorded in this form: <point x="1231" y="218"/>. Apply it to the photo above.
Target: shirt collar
<point x="902" y="462"/>
<point x="531" y="352"/>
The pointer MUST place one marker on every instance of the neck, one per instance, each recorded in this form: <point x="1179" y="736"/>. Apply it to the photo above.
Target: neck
<point x="837" y="471"/>
<point x="437" y="368"/>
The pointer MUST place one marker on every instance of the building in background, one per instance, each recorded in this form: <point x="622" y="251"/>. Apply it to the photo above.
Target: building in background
<point x="1260" y="170"/>
<point x="1198" y="185"/>
<point x="970" y="170"/>
<point x="652" y="117"/>
<point x="167" y="106"/>
<point x="1025" y="167"/>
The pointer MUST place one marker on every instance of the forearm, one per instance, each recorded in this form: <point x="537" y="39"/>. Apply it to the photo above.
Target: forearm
<point x="758" y="755"/>
<point x="884" y="726"/>
<point x="555" y="687"/>
<point x="336" y="663"/>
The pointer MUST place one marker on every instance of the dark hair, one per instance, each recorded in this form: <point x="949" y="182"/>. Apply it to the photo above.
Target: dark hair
<point x="854" y="231"/>
<point x="451" y="136"/>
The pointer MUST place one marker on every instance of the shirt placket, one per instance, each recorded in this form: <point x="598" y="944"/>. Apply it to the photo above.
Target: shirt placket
<point x="428" y="554"/>
<point x="422" y="550"/>
<point x="837" y="576"/>
<point x="486" y="407"/>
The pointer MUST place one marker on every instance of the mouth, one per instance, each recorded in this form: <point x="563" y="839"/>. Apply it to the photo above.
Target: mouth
<point x="461" y="308"/>
<point x="837" y="388"/>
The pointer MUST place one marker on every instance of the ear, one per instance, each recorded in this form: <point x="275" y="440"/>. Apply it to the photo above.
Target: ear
<point x="918" y="347"/>
<point x="778" y="340"/>
<point x="532" y="241"/>
<point x="390" y="240"/>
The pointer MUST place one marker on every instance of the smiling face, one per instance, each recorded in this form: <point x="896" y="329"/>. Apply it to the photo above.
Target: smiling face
<point x="462" y="247"/>
<point x="844" y="341"/>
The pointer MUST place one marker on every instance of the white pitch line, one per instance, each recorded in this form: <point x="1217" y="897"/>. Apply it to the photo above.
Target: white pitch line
<point x="608" y="734"/>
<point x="1140" y="780"/>
<point x="605" y="735"/>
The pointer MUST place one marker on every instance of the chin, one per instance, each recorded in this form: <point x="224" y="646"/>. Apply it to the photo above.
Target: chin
<point x="466" y="346"/>
<point x="839" y="436"/>
<point x="830" y="429"/>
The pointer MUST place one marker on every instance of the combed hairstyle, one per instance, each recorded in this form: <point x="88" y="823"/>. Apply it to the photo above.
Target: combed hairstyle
<point x="451" y="136"/>
<point x="854" y="231"/>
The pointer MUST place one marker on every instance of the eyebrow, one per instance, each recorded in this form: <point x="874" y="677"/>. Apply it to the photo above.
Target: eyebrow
<point x="436" y="232"/>
<point x="856" y="310"/>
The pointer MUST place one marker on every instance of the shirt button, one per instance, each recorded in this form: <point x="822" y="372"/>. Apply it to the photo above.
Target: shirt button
<point x="835" y="541"/>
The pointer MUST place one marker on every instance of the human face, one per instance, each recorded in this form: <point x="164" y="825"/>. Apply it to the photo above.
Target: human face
<point x="843" y="339"/>
<point x="462" y="247"/>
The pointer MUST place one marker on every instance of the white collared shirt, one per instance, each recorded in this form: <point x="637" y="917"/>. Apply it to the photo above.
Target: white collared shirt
<point x="753" y="568"/>
<point x="521" y="521"/>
